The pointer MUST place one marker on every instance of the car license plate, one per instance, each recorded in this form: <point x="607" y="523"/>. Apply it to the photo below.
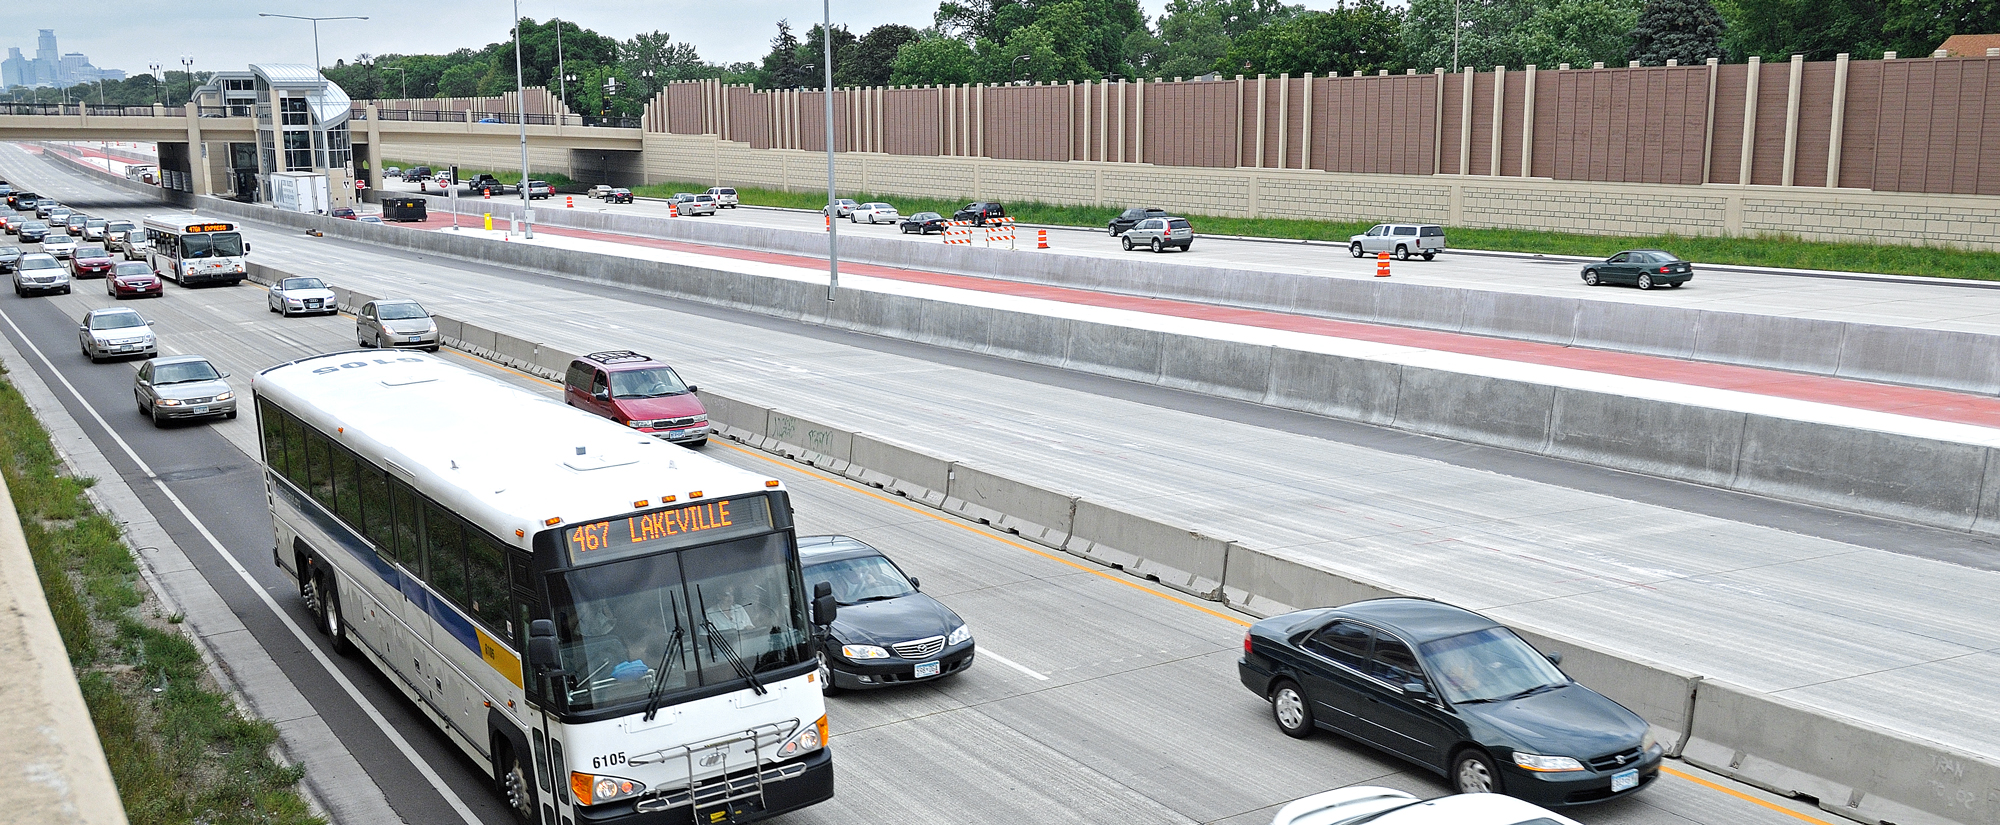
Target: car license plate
<point x="929" y="669"/>
<point x="1625" y="780"/>
<point x="416" y="338"/>
<point x="202" y="408"/>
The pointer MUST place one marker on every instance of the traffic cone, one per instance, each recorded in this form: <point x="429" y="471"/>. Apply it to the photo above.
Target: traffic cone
<point x="569" y="201"/>
<point x="672" y="210"/>
<point x="486" y="193"/>
<point x="1041" y="239"/>
<point x="1381" y="264"/>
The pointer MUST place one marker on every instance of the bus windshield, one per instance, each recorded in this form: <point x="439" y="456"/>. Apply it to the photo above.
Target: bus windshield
<point x="674" y="619"/>
<point x="212" y="245"/>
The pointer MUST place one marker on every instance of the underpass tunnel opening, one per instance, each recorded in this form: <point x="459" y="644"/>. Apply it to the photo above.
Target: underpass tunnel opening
<point x="611" y="167"/>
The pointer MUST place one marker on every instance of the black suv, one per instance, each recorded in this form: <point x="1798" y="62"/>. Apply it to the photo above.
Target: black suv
<point x="1127" y="218"/>
<point x="22" y="201"/>
<point x="979" y="213"/>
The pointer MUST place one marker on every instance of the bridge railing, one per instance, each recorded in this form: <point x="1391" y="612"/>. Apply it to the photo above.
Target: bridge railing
<point x="432" y="116"/>
<point x="227" y="111"/>
<point x="89" y="109"/>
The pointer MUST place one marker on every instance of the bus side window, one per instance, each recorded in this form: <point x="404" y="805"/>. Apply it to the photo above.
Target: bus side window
<point x="295" y="449"/>
<point x="409" y="532"/>
<point x="273" y="428"/>
<point x="347" y="487"/>
<point x="444" y="553"/>
<point x="319" y="460"/>
<point x="486" y="568"/>
<point x="375" y="514"/>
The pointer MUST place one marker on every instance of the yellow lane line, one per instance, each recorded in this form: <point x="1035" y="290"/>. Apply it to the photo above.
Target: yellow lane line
<point x="1743" y="796"/>
<point x="962" y="525"/>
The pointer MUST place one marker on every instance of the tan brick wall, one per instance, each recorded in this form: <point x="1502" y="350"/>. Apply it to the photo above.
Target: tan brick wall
<point x="1969" y="221"/>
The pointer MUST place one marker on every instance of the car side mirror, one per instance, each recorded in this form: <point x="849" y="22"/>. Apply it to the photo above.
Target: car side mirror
<point x="1555" y="657"/>
<point x="693" y="388"/>
<point x="914" y="584"/>
<point x="601" y="395"/>
<point x="542" y="653"/>
<point x="1417" y="690"/>
<point x="150" y="323"/>
<point x="825" y="609"/>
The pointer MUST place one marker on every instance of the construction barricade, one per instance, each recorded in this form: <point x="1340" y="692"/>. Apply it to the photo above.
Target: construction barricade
<point x="1001" y="229"/>
<point x="958" y="232"/>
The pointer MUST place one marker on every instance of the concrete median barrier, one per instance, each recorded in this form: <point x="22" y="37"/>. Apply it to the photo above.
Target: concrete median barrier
<point x="1848" y="767"/>
<point x="1917" y="479"/>
<point x="1356" y="389"/>
<point x="1477" y="408"/>
<point x="1795" y="344"/>
<point x="1183" y="559"/>
<point x="1042" y="516"/>
<point x="732" y="418"/>
<point x="1226" y="368"/>
<point x="809" y="442"/>
<point x="1964" y="361"/>
<point x="1686" y="442"/>
<point x="902" y="470"/>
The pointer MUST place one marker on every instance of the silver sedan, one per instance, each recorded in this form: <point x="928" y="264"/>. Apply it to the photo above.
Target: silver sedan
<point x="397" y="323"/>
<point x="182" y="386"/>
<point x="110" y="333"/>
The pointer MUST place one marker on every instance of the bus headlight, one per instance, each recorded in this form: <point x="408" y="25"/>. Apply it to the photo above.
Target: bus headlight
<point x="591" y="789"/>
<point x="806" y="741"/>
<point x="863" y="652"/>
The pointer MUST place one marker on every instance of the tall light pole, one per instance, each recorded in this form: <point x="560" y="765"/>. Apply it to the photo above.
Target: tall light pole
<point x="315" y="22"/>
<point x="559" y="65"/>
<point x="1454" y="35"/>
<point x="826" y="90"/>
<point x="521" y="116"/>
<point x="187" y="68"/>
<point x="155" y="69"/>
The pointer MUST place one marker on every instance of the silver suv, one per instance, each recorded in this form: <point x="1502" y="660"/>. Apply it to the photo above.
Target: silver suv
<point x="1158" y="234"/>
<point x="40" y="272"/>
<point x="1399" y="239"/>
<point x="725" y="196"/>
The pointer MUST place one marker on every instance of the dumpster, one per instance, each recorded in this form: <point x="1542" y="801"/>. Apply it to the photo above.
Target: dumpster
<point x="404" y="209"/>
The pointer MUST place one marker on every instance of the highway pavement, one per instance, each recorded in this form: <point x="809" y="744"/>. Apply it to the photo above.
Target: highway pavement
<point x="1124" y="706"/>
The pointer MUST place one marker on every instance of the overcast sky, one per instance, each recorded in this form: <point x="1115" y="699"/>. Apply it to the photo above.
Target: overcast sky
<point x="228" y="34"/>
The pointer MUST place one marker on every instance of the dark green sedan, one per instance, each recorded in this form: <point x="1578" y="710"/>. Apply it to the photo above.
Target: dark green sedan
<point x="1643" y="268"/>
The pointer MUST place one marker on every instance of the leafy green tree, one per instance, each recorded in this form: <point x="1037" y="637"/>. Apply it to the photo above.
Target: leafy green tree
<point x="1364" y="36"/>
<point x="1919" y="27"/>
<point x="872" y="59"/>
<point x="1689" y="31"/>
<point x="1819" y="29"/>
<point x="812" y="60"/>
<point x="461" y="80"/>
<point x="781" y="68"/>
<point x="1092" y="33"/>
<point x="1577" y="32"/>
<point x="934" y="59"/>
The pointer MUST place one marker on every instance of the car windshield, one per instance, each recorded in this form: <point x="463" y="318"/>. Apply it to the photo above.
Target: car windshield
<point x="40" y="263"/>
<point x="674" y="619"/>
<point x="90" y="251"/>
<point x="1489" y="665"/>
<point x="183" y="372"/>
<point x="98" y="222"/>
<point x="862" y="579"/>
<point x="301" y="283"/>
<point x="116" y="320"/>
<point x="119" y="226"/>
<point x="134" y="268"/>
<point x="400" y="312"/>
<point x="651" y="382"/>
<point x="212" y="245"/>
<point x="37" y="226"/>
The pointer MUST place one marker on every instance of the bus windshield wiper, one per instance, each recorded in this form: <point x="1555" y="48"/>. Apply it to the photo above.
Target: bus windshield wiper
<point x="716" y="641"/>
<point x="668" y="659"/>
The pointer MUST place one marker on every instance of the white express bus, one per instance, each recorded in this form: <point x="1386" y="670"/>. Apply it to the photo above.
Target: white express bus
<point x="187" y="249"/>
<point x="444" y="523"/>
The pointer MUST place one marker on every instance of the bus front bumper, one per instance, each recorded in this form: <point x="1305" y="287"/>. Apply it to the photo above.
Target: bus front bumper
<point x="796" y="790"/>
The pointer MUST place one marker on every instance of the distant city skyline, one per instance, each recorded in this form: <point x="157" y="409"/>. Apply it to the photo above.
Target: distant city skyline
<point x="50" y="67"/>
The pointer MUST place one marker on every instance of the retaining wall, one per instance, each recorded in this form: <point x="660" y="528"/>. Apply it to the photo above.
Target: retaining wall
<point x="1960" y="361"/>
<point x="1850" y="768"/>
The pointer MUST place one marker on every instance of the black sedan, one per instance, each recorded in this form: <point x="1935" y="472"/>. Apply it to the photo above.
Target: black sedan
<point x="10" y="257"/>
<point x="887" y="632"/>
<point x="1127" y="218"/>
<point x="33" y="232"/>
<point x="1643" y="268"/>
<point x="1450" y="690"/>
<point x="618" y="196"/>
<point x="923" y="223"/>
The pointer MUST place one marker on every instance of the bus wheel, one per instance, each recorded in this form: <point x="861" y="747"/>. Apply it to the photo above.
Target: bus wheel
<point x="331" y="622"/>
<point x="516" y="788"/>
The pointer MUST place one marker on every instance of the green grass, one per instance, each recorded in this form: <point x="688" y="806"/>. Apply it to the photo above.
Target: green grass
<point x="179" y="750"/>
<point x="555" y="179"/>
<point x="1771" y="251"/>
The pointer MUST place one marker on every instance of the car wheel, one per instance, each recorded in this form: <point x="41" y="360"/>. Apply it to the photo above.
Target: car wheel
<point x="1187" y="246"/>
<point x="431" y="349"/>
<point x="86" y="354"/>
<point x="229" y="416"/>
<point x="1291" y="710"/>
<point x="516" y="788"/>
<point x="154" y="413"/>
<point x="362" y="341"/>
<point x="1157" y="246"/>
<point x="1430" y="256"/>
<point x="1678" y="284"/>
<point x="1472" y="772"/>
<point x="695" y="445"/>
<point x="1645" y="280"/>
<point x="1402" y="252"/>
<point x="65" y="290"/>
<point x="1354" y="249"/>
<point x="1590" y="277"/>
<point x="826" y="675"/>
<point x="1126" y="242"/>
<point x="143" y="409"/>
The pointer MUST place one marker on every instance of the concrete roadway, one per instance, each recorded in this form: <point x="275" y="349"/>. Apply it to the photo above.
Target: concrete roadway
<point x="1945" y="304"/>
<point x="1098" y="698"/>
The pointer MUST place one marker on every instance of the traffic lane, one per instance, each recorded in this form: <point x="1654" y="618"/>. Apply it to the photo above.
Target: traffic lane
<point x="1942" y="304"/>
<point x="1164" y="718"/>
<point x="224" y="487"/>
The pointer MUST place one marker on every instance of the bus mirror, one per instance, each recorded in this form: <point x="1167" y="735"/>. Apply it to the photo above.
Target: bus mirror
<point x="542" y="645"/>
<point x="824" y="607"/>
<point x="246" y="247"/>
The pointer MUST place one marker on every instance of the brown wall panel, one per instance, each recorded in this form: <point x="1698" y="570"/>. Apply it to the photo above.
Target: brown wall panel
<point x="1730" y="84"/>
<point x="1451" y="129"/>
<point x="1767" y="166"/>
<point x="1026" y="122"/>
<point x="1548" y="123"/>
<point x="1515" y="98"/>
<point x="910" y="122"/>
<point x="1815" y="125"/>
<point x="1482" y="124"/>
<point x="1864" y="112"/>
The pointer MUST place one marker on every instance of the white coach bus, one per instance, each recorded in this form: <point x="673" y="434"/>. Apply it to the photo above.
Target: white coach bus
<point x="191" y="250"/>
<point x="444" y="523"/>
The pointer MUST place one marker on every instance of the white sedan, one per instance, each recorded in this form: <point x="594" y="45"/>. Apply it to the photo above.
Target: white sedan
<point x="874" y="213"/>
<point x="302" y="295"/>
<point x="1386" y="806"/>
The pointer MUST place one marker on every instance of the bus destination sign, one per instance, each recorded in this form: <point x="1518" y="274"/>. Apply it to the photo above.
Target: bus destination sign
<point x="664" y="529"/>
<point x="210" y="227"/>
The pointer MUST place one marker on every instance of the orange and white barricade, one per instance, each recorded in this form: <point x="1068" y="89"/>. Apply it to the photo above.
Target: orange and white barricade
<point x="1001" y="229"/>
<point x="958" y="232"/>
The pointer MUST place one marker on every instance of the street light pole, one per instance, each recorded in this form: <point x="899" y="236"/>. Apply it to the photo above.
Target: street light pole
<point x="315" y="22"/>
<point x="521" y="115"/>
<point x="832" y="227"/>
<point x="1454" y="35"/>
<point x="155" y="68"/>
<point x="187" y="68"/>
<point x="559" y="65"/>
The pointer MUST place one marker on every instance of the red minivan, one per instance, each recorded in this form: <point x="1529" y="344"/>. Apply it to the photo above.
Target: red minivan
<point x="638" y="392"/>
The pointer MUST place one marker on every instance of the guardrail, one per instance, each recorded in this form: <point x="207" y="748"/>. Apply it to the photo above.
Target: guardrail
<point x="1845" y="766"/>
<point x="85" y="109"/>
<point x="430" y="116"/>
<point x="234" y="110"/>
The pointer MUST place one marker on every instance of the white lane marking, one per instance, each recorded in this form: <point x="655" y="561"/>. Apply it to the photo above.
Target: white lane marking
<point x="319" y="655"/>
<point x="988" y="654"/>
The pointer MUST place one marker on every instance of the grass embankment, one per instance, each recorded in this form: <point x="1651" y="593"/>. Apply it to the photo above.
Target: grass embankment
<point x="1783" y="252"/>
<point x="179" y="750"/>
<point x="555" y="179"/>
